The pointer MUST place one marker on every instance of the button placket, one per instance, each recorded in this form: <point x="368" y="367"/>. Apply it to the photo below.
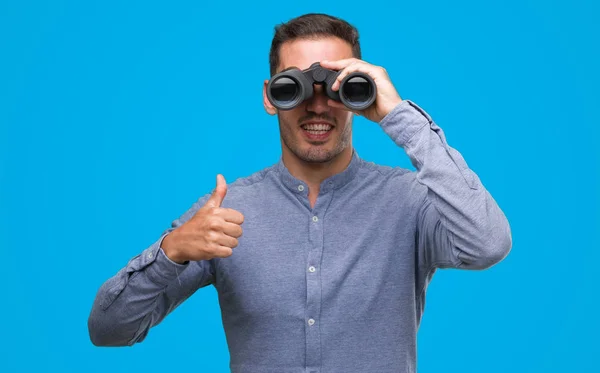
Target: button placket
<point x="313" y="281"/>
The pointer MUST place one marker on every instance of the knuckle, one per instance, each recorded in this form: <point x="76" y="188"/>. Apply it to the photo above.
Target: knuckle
<point x="212" y="236"/>
<point x="213" y="224"/>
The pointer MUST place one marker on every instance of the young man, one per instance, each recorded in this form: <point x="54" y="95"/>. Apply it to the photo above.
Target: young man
<point x="330" y="271"/>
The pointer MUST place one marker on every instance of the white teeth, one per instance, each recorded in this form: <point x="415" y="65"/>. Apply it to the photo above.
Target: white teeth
<point x="317" y="127"/>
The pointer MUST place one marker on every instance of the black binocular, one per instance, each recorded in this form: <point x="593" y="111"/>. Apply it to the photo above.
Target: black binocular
<point x="289" y="88"/>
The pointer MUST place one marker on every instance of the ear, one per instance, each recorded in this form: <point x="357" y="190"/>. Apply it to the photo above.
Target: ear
<point x="270" y="109"/>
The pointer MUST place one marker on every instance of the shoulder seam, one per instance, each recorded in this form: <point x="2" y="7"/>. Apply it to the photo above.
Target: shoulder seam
<point x="252" y="179"/>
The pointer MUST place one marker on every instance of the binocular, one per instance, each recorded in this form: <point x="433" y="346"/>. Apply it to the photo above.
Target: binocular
<point x="289" y="88"/>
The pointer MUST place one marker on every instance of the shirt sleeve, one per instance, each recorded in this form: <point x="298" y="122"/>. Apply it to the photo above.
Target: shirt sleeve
<point x="141" y="294"/>
<point x="459" y="224"/>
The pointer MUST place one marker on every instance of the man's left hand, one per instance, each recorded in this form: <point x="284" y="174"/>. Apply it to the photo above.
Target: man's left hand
<point x="387" y="97"/>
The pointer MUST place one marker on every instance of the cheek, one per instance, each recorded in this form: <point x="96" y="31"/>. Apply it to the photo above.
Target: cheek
<point x="343" y="117"/>
<point x="286" y="124"/>
<point x="289" y="117"/>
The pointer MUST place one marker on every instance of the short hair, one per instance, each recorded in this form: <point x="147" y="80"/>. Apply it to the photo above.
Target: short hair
<point x="312" y="26"/>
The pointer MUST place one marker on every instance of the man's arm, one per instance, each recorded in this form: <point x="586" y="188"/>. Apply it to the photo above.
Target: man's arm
<point x="459" y="224"/>
<point x="146" y="290"/>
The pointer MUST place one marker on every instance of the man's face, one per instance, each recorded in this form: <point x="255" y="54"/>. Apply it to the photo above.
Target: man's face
<point x="295" y="135"/>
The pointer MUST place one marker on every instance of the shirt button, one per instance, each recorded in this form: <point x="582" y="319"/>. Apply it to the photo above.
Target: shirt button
<point x="315" y="219"/>
<point x="311" y="321"/>
<point x="311" y="268"/>
<point x="300" y="187"/>
<point x="150" y="255"/>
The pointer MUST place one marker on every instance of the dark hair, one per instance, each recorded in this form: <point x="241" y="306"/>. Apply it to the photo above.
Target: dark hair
<point x="312" y="26"/>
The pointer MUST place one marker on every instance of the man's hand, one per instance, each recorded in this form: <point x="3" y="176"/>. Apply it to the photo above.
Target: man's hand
<point x="387" y="96"/>
<point x="211" y="233"/>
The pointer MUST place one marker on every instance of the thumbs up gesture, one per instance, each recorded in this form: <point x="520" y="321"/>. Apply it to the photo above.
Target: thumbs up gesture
<point x="211" y="233"/>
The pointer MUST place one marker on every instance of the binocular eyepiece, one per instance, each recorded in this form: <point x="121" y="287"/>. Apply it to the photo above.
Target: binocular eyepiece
<point x="290" y="88"/>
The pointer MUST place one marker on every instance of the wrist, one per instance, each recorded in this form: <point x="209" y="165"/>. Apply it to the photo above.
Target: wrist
<point x="389" y="107"/>
<point x="169" y="247"/>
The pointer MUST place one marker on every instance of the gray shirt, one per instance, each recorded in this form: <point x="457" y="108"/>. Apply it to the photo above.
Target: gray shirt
<point x="338" y="288"/>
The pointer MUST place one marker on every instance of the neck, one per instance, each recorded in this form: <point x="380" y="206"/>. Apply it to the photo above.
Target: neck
<point x="313" y="173"/>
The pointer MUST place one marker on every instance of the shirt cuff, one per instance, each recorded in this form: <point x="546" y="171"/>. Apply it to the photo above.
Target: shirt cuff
<point x="404" y="121"/>
<point x="162" y="270"/>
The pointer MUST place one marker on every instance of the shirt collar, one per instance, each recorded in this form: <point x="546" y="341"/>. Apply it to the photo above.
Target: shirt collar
<point x="333" y="182"/>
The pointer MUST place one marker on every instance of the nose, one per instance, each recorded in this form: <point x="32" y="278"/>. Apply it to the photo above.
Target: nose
<point x="318" y="102"/>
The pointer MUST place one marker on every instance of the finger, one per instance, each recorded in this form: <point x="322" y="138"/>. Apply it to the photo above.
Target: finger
<point x="219" y="193"/>
<point x="225" y="240"/>
<point x="233" y="230"/>
<point x="339" y="64"/>
<point x="356" y="67"/>
<point x="231" y="215"/>
<point x="339" y="105"/>
<point x="222" y="252"/>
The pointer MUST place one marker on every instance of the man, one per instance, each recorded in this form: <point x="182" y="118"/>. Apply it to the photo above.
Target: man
<point x="330" y="271"/>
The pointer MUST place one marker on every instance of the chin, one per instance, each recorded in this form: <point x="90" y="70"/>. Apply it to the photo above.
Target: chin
<point x="317" y="155"/>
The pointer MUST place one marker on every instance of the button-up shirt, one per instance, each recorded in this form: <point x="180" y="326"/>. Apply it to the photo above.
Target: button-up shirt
<point x="335" y="288"/>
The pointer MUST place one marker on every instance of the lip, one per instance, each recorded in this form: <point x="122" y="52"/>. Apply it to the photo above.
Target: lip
<point x="322" y="137"/>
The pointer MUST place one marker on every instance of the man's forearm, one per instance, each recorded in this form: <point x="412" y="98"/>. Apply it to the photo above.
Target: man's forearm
<point x="138" y="297"/>
<point x="480" y="230"/>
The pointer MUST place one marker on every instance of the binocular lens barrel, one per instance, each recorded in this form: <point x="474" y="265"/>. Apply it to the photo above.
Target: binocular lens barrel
<point x="356" y="91"/>
<point x="285" y="90"/>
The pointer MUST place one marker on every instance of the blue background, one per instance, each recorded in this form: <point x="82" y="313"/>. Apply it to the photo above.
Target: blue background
<point x="115" y="118"/>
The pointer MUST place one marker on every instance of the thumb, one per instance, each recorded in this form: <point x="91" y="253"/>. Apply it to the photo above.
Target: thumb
<point x="219" y="192"/>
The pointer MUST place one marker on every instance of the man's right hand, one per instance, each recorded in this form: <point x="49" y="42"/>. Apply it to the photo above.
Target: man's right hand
<point x="211" y="233"/>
